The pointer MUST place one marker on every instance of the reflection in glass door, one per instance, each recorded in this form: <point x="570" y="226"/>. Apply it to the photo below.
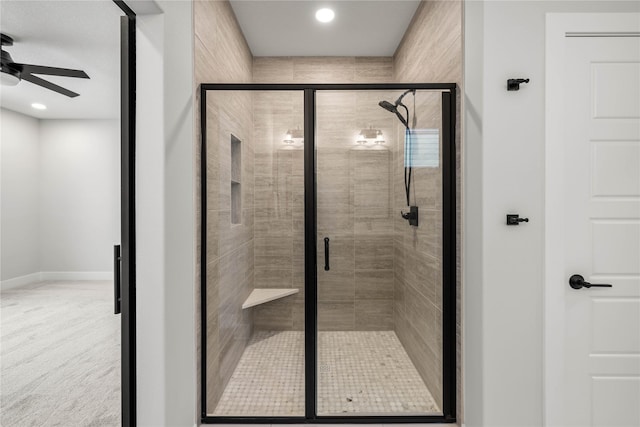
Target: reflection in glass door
<point x="379" y="343"/>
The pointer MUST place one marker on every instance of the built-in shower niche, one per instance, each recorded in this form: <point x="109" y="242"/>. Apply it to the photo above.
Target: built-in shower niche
<point x="236" y="178"/>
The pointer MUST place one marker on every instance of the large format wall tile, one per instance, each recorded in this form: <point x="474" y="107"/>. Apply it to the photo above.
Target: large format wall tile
<point x="324" y="69"/>
<point x="274" y="316"/>
<point x="431" y="51"/>
<point x="354" y="195"/>
<point x="336" y="316"/>
<point x="372" y="182"/>
<point x="279" y="205"/>
<point x="229" y="246"/>
<point x="374" y="284"/>
<point x="373" y="314"/>
<point x="374" y="252"/>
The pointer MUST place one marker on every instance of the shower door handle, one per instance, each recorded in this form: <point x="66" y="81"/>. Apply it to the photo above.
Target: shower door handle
<point x="326" y="254"/>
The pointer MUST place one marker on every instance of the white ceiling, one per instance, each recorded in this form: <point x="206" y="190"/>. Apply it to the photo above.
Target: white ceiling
<point x="289" y="28"/>
<point x="69" y="34"/>
<point x="85" y="35"/>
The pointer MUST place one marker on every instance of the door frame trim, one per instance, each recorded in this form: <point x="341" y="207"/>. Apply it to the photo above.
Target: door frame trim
<point x="310" y="258"/>
<point x="128" y="214"/>
<point x="449" y="245"/>
<point x="560" y="26"/>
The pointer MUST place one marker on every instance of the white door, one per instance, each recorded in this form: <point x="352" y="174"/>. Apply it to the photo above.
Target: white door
<point x="602" y="230"/>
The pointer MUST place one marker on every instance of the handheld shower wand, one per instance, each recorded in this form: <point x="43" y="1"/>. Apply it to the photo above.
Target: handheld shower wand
<point x="393" y="108"/>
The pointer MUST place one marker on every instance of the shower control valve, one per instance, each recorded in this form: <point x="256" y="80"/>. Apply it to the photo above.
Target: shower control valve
<point x="411" y="216"/>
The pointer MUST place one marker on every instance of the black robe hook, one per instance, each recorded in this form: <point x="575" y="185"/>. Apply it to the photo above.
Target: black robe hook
<point x="514" y="84"/>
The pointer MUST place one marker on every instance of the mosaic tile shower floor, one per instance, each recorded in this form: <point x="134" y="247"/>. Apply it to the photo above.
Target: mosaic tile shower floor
<point x="364" y="373"/>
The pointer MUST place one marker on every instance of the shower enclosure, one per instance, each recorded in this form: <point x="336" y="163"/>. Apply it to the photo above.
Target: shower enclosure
<point x="320" y="300"/>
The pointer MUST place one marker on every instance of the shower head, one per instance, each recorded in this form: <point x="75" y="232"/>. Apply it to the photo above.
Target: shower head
<point x="394" y="109"/>
<point x="388" y="106"/>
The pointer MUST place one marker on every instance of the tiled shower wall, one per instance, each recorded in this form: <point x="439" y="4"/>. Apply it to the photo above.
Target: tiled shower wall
<point x="279" y="208"/>
<point x="376" y="265"/>
<point x="418" y="255"/>
<point x="229" y="247"/>
<point x="431" y="51"/>
<point x="354" y="196"/>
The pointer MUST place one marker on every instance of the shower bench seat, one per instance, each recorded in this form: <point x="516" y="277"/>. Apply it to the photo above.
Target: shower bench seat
<point x="262" y="295"/>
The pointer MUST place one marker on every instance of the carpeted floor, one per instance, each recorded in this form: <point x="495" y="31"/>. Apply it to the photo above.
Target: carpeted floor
<point x="59" y="355"/>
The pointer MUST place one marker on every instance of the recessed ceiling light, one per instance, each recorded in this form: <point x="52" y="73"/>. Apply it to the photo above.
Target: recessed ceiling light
<point x="325" y="15"/>
<point x="38" y="106"/>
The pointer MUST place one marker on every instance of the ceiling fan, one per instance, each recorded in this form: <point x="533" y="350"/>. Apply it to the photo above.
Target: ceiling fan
<point x="13" y="72"/>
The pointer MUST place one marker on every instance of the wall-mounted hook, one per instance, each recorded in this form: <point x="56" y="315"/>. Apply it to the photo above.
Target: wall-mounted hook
<point x="514" y="84"/>
<point x="514" y="219"/>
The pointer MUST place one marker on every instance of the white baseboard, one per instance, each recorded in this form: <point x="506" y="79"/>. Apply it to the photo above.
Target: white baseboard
<point x="17" y="282"/>
<point x="42" y="276"/>
<point x="77" y="275"/>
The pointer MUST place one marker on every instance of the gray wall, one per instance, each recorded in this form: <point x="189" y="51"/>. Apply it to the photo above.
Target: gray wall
<point x="165" y="201"/>
<point x="60" y="197"/>
<point x="20" y="195"/>
<point x="79" y="194"/>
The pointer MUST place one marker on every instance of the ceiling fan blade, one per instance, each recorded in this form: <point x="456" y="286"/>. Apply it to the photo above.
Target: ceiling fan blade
<point x="40" y="82"/>
<point x="51" y="71"/>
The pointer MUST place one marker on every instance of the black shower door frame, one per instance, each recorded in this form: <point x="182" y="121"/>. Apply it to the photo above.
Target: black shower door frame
<point x="449" y="248"/>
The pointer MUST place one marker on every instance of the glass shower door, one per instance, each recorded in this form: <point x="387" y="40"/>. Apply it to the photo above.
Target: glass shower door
<point x="254" y="246"/>
<point x="327" y="257"/>
<point x="379" y="322"/>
